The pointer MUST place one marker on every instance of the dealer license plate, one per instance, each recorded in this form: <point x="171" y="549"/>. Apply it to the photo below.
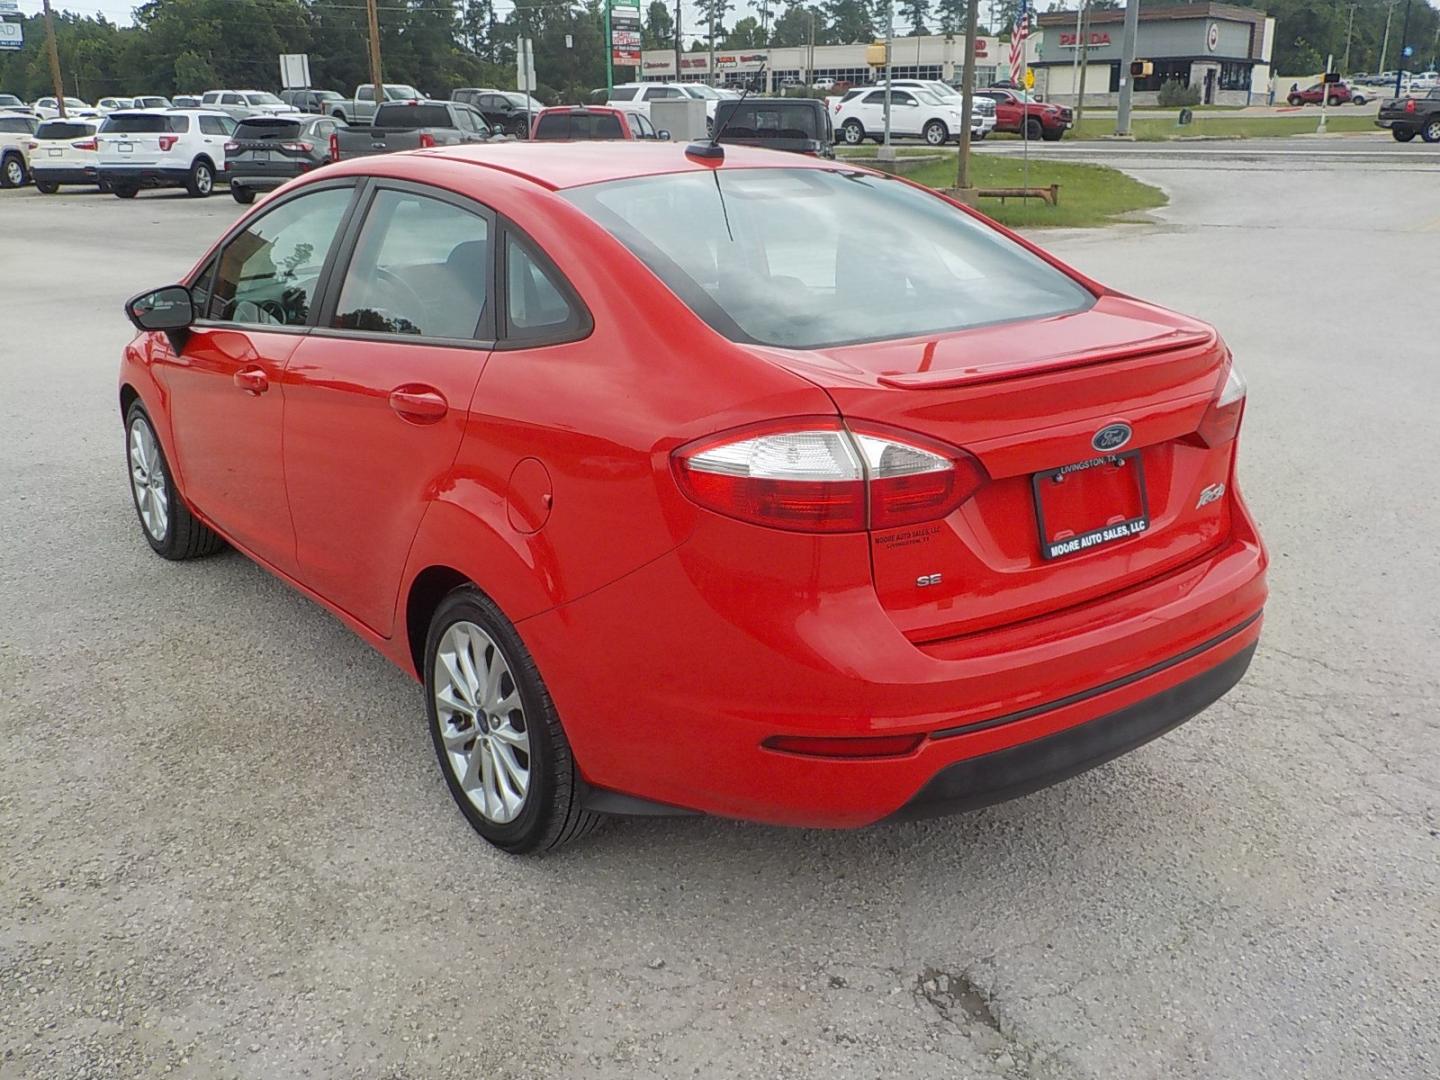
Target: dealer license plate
<point x="125" y="147"/>
<point x="1083" y="506"/>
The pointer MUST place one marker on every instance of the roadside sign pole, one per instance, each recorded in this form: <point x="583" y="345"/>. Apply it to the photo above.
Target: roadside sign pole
<point x="610" y="55"/>
<point x="54" y="53"/>
<point x="967" y="101"/>
<point x="1325" y="93"/>
<point x="1127" y="58"/>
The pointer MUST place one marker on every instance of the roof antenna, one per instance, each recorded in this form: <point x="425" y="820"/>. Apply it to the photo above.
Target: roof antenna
<point x="713" y="150"/>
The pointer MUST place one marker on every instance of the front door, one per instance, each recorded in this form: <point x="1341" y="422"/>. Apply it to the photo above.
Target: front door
<point x="227" y="397"/>
<point x="377" y="400"/>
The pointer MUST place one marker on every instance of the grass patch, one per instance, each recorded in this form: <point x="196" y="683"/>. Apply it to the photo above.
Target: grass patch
<point x="1090" y="195"/>
<point x="1159" y="129"/>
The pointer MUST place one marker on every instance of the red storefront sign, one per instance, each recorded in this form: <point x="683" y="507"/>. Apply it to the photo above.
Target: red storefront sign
<point x="1098" y="37"/>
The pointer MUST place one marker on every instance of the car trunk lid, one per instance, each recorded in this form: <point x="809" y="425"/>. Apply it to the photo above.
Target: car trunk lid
<point x="1069" y="514"/>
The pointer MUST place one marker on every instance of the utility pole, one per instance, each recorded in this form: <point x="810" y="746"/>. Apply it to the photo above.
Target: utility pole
<point x="1127" y="58"/>
<point x="887" y="151"/>
<point x="55" y="80"/>
<point x="1385" y="41"/>
<point x="678" y="34"/>
<point x="610" y="55"/>
<point x="1082" y="48"/>
<point x="373" y="16"/>
<point x="710" y="71"/>
<point x="810" y="55"/>
<point x="1345" y="65"/>
<point x="967" y="102"/>
<point x="1075" y="68"/>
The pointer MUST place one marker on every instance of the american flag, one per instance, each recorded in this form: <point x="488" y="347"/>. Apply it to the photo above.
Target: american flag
<point x="1018" y="33"/>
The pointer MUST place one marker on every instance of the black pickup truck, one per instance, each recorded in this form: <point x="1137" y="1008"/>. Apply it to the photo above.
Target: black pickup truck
<point x="800" y="125"/>
<point x="1410" y="116"/>
<point x="410" y="125"/>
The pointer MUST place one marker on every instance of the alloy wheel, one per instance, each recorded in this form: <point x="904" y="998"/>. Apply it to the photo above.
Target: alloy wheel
<point x="482" y="722"/>
<point x="147" y="479"/>
<point x="203" y="180"/>
<point x="1432" y="132"/>
<point x="14" y="172"/>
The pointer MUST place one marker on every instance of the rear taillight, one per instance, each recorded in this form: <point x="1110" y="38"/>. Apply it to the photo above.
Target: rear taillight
<point x="297" y="147"/>
<point x="168" y="142"/>
<point x="334" y="147"/>
<point x="1409" y="104"/>
<point x="231" y="147"/>
<point x="820" y="476"/>
<point x="1222" y="419"/>
<point x="426" y="140"/>
<point x="32" y="146"/>
<point x="87" y="144"/>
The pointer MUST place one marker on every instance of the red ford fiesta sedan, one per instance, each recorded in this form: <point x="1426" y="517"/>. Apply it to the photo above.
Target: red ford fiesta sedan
<point x="755" y="486"/>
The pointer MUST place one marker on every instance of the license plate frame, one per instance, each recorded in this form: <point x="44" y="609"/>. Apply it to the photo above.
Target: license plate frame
<point x="1099" y="535"/>
<point x="125" y="147"/>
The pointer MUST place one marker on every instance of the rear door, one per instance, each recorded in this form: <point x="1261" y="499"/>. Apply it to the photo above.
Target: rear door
<point x="376" y="399"/>
<point x="256" y="301"/>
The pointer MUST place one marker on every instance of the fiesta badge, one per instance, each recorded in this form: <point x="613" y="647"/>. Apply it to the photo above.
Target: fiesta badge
<point x="1111" y="437"/>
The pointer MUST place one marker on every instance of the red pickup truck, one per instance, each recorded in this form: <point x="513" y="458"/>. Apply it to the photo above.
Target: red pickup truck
<point x="1019" y="113"/>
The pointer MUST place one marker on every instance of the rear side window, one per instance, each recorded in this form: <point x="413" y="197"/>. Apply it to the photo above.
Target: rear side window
<point x="216" y="125"/>
<point x="268" y="274"/>
<point x="535" y="306"/>
<point x="16" y="125"/>
<point x="141" y="124"/>
<point x="623" y="93"/>
<point x="421" y="267"/>
<point x="64" y="129"/>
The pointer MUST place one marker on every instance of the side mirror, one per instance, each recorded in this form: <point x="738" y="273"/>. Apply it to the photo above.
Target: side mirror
<point x="663" y="134"/>
<point x="170" y="308"/>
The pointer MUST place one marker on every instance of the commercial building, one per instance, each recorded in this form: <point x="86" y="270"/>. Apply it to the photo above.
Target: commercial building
<point x="931" y="56"/>
<point x="1223" y="49"/>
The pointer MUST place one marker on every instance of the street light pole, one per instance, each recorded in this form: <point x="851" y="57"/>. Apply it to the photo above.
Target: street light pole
<point x="1127" y="58"/>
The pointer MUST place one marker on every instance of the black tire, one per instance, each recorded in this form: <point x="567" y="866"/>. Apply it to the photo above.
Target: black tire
<point x="1295" y="100"/>
<point x="551" y="814"/>
<point x="184" y="536"/>
<point x="1357" y="99"/>
<point x="1034" y="129"/>
<point x="1431" y="131"/>
<point x="242" y="194"/>
<point x="936" y="133"/>
<point x="126" y="191"/>
<point x="979" y="136"/>
<point x="13" y="173"/>
<point x="1333" y="102"/>
<point x="1053" y="134"/>
<point x="201" y="180"/>
<point x="1402" y="134"/>
<point x="46" y="187"/>
<point x="853" y="132"/>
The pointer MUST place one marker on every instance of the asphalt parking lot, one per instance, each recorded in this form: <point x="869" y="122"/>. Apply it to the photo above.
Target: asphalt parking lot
<point x="227" y="851"/>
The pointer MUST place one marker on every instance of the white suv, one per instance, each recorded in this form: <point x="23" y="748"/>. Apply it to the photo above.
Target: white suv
<point x="913" y="113"/>
<point x="17" y="131"/>
<point x="46" y="108"/>
<point x="982" y="109"/>
<point x="175" y="148"/>
<point x="64" y="152"/>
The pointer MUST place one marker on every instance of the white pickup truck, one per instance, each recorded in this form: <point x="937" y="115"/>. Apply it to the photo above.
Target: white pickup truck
<point x="360" y="109"/>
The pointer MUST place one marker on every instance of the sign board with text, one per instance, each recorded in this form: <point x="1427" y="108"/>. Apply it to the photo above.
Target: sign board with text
<point x="625" y="35"/>
<point x="12" y="35"/>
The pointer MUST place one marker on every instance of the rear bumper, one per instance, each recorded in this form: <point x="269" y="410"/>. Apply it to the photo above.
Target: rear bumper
<point x="669" y="680"/>
<point x="260" y="177"/>
<point x="65" y="174"/>
<point x="1027" y="767"/>
<point x="147" y="175"/>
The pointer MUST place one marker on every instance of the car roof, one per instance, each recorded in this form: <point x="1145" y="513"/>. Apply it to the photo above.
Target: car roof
<point x="558" y="165"/>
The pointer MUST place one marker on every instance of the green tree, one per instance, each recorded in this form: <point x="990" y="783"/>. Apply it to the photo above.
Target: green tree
<point x="914" y="13"/>
<point x="850" y="21"/>
<point x="794" y="25"/>
<point x="951" y="16"/>
<point x="746" y="34"/>
<point x="712" y="19"/>
<point x="659" y="32"/>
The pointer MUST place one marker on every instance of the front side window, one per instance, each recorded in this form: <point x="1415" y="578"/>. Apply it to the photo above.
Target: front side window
<point x="263" y="98"/>
<point x="401" y="92"/>
<point x="808" y="258"/>
<point x="268" y="273"/>
<point x="421" y="267"/>
<point x="646" y="129"/>
<point x="231" y="99"/>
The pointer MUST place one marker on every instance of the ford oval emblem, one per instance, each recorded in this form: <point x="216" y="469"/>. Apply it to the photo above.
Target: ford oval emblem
<point x="1111" y="437"/>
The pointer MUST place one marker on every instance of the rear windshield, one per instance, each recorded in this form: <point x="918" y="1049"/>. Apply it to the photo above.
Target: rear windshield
<point x="144" y="124"/>
<point x="581" y="126"/>
<point x="805" y="258"/>
<point x="763" y="120"/>
<point x="413" y="116"/>
<point x="64" y="129"/>
<point x="258" y="128"/>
